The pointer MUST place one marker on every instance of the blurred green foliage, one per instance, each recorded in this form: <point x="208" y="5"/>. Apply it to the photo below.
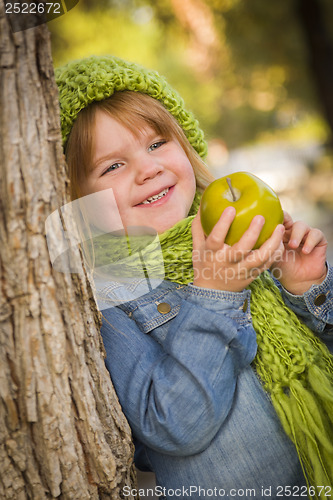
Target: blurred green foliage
<point x="241" y="65"/>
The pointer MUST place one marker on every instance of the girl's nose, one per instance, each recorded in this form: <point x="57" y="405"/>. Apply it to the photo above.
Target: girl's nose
<point x="147" y="169"/>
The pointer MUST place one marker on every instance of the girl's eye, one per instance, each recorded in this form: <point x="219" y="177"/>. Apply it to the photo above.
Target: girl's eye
<point x="156" y="145"/>
<point x="114" y="166"/>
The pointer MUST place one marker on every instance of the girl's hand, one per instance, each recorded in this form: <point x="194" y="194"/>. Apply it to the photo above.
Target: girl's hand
<point x="304" y="260"/>
<point x="231" y="268"/>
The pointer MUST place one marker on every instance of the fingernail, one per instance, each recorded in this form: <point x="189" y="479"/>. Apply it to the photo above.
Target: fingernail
<point x="230" y="210"/>
<point x="260" y="219"/>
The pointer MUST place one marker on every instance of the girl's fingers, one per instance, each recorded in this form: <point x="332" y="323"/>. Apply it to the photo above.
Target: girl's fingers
<point x="299" y="230"/>
<point x="246" y="243"/>
<point x="215" y="240"/>
<point x="314" y="238"/>
<point x="299" y="234"/>
<point x="257" y="262"/>
<point x="287" y="221"/>
<point x="198" y="236"/>
<point x="277" y="256"/>
<point x="272" y="256"/>
<point x="270" y="250"/>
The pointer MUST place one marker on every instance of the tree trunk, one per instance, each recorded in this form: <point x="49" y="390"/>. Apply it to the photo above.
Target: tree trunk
<point x="62" y="431"/>
<point x="320" y="50"/>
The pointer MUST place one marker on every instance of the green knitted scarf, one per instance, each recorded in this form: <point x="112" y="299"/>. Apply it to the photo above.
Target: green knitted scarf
<point x="294" y="366"/>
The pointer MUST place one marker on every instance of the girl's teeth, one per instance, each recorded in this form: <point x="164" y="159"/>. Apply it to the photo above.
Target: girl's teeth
<point x="155" y="197"/>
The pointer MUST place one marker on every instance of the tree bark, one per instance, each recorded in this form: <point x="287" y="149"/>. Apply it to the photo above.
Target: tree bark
<point x="320" y="50"/>
<point x="62" y="431"/>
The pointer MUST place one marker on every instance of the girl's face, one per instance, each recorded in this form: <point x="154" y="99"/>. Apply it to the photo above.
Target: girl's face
<point x="152" y="178"/>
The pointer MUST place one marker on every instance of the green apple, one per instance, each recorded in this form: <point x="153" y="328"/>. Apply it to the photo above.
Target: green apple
<point x="250" y="196"/>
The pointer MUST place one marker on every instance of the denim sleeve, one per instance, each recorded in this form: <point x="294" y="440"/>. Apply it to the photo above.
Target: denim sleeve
<point x="176" y="394"/>
<point x="315" y="307"/>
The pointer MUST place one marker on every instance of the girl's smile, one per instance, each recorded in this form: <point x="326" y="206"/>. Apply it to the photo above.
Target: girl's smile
<point x="151" y="176"/>
<point x="157" y="199"/>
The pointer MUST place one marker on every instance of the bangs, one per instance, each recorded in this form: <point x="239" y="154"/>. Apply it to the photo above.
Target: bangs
<point x="135" y="111"/>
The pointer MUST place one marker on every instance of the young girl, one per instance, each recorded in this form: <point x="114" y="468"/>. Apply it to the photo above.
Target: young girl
<point x="227" y="389"/>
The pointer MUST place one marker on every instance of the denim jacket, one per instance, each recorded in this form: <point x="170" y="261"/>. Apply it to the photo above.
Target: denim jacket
<point x="180" y="360"/>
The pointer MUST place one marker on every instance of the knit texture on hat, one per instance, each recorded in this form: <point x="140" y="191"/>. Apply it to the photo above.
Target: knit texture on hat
<point x="96" y="78"/>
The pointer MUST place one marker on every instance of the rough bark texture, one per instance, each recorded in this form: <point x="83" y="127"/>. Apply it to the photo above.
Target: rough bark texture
<point x="62" y="431"/>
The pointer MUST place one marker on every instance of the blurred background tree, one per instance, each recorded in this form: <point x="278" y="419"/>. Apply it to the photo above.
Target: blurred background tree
<point x="248" y="70"/>
<point x="258" y="75"/>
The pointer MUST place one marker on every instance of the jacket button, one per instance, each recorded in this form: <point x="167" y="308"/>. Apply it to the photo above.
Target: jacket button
<point x="164" y="308"/>
<point x="245" y="305"/>
<point x="320" y="299"/>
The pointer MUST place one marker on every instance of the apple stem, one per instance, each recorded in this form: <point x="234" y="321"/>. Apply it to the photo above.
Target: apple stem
<point x="234" y="197"/>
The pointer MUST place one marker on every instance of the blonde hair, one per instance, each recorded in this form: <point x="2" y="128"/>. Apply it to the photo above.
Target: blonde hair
<point x="133" y="110"/>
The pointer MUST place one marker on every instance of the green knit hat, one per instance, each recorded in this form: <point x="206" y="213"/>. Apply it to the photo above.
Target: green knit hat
<point x="97" y="77"/>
